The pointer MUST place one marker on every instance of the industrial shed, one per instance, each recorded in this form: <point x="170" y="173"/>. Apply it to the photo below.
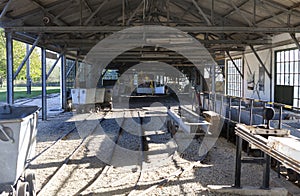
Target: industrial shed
<point x="233" y="58"/>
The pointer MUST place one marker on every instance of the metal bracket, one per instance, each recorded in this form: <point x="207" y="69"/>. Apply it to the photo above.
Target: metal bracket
<point x="5" y="134"/>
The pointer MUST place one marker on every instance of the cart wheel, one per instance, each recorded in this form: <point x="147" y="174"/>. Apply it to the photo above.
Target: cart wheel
<point x="22" y="189"/>
<point x="30" y="178"/>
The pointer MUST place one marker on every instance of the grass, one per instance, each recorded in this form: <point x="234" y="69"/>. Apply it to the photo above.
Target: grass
<point x="21" y="92"/>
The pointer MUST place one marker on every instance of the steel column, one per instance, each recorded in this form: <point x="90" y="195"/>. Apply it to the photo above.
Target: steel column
<point x="28" y="78"/>
<point x="251" y="112"/>
<point x="238" y="162"/>
<point x="266" y="174"/>
<point x="9" y="69"/>
<point x="229" y="119"/>
<point x="44" y="84"/>
<point x="240" y="110"/>
<point x="280" y="117"/>
<point x="63" y="89"/>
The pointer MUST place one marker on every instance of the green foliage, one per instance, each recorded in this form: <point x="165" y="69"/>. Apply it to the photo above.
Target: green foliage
<point x="19" y="52"/>
<point x="21" y="92"/>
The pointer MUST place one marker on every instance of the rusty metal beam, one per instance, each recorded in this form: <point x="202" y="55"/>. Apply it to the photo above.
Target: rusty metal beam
<point x="293" y="36"/>
<point x="235" y="65"/>
<point x="4" y="10"/>
<point x="95" y="12"/>
<point x="111" y="29"/>
<point x="201" y="12"/>
<point x="260" y="61"/>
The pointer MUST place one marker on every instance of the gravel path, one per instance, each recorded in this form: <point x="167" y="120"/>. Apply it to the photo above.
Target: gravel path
<point x="164" y="170"/>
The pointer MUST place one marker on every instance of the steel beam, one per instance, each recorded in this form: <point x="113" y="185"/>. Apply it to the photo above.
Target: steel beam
<point x="28" y="78"/>
<point x="201" y="12"/>
<point x="241" y="13"/>
<point x="123" y="12"/>
<point x="212" y="14"/>
<point x="54" y="65"/>
<point x="9" y="69"/>
<point x="4" y="10"/>
<point x="63" y="86"/>
<point x="234" y="10"/>
<point x="95" y="12"/>
<point x="51" y="6"/>
<point x="293" y="36"/>
<point x="134" y="13"/>
<point x="216" y="41"/>
<point x="293" y="8"/>
<point x="241" y="74"/>
<point x="87" y="6"/>
<point x="27" y="57"/>
<point x="191" y="29"/>
<point x="44" y="84"/>
<point x="168" y="12"/>
<point x="71" y="68"/>
<point x="260" y="61"/>
<point x="56" y="20"/>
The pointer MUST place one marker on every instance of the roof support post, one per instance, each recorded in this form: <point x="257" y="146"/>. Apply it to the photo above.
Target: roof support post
<point x="27" y="56"/>
<point x="9" y="69"/>
<point x="44" y="84"/>
<point x="28" y="78"/>
<point x="5" y="9"/>
<point x="54" y="65"/>
<point x="63" y="86"/>
<point x="241" y="74"/>
<point x="260" y="61"/>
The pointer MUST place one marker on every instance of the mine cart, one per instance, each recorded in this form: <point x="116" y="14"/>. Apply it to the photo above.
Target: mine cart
<point x="18" y="128"/>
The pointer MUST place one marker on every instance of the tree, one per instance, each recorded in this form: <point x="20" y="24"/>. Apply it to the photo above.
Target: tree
<point x="19" y="52"/>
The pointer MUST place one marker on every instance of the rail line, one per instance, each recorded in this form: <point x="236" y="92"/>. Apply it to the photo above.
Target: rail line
<point x="66" y="160"/>
<point x="107" y="166"/>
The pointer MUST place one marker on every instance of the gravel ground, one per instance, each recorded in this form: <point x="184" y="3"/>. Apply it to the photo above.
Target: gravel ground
<point x="161" y="170"/>
<point x="216" y="169"/>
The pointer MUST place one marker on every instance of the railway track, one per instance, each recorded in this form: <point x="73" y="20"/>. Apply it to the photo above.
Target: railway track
<point x="105" y="174"/>
<point x="106" y="169"/>
<point x="53" y="176"/>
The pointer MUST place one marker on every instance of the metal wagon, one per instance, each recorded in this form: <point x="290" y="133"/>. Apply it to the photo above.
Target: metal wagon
<point x="18" y="128"/>
<point x="86" y="100"/>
